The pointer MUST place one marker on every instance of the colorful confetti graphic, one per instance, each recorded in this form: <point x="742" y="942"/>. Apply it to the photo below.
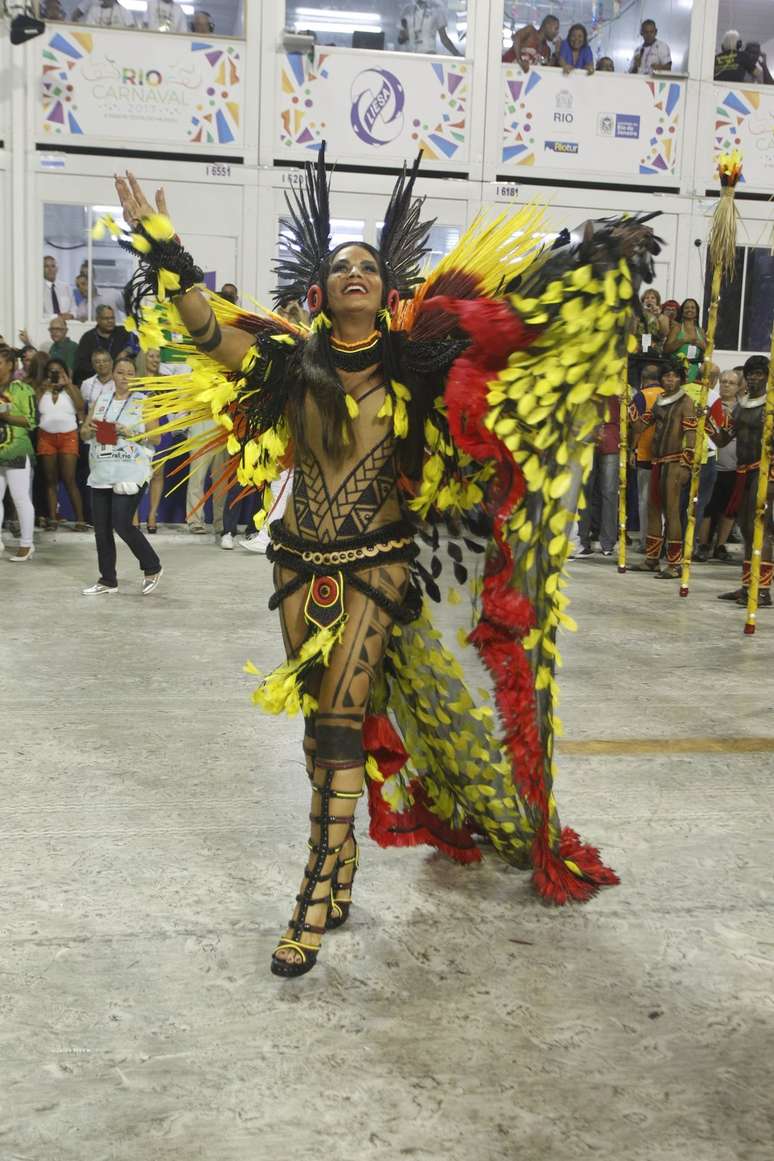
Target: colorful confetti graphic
<point x="518" y="136"/>
<point x="212" y="69"/>
<point x="730" y="117"/>
<point x="441" y="141"/>
<point x="661" y="156"/>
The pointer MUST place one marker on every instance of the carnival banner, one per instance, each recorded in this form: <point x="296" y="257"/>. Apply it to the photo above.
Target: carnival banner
<point x="620" y="128"/>
<point x="171" y="90"/>
<point x="374" y="110"/>
<point x="744" y="123"/>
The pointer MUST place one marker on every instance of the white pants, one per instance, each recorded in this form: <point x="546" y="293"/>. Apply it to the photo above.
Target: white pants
<point x="19" y="483"/>
<point x="215" y="462"/>
<point x="280" y="502"/>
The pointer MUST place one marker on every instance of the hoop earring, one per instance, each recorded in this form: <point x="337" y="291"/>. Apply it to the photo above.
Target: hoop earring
<point x="393" y="301"/>
<point x="314" y="298"/>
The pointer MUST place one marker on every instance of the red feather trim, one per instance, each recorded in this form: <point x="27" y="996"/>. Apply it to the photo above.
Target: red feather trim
<point x="507" y="616"/>
<point x="417" y="826"/>
<point x="382" y="740"/>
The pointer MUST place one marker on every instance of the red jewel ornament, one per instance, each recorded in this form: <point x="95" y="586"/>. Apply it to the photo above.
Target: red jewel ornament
<point x="325" y="591"/>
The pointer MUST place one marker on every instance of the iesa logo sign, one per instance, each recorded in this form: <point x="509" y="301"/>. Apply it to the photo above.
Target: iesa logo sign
<point x="563" y="114"/>
<point x="625" y="125"/>
<point x="377" y="106"/>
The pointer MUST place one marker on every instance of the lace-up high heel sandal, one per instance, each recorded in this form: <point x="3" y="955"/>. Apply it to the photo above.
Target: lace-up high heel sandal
<point x="322" y="851"/>
<point x="340" y="908"/>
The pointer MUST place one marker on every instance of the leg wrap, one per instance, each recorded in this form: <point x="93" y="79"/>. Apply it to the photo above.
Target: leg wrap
<point x="653" y="546"/>
<point x="674" y="551"/>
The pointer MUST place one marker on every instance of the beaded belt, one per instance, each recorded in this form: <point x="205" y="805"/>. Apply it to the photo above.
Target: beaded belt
<point x="312" y="560"/>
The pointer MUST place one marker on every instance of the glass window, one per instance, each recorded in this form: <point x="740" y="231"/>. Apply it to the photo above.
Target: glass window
<point x="208" y="18"/>
<point x="745" y="42"/>
<point x="613" y="31"/>
<point x="86" y="272"/>
<point x="746" y="313"/>
<point x="428" y="26"/>
<point x="441" y="240"/>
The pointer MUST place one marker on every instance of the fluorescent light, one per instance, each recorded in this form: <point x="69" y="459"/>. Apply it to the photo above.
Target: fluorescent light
<point x="320" y="26"/>
<point x="335" y="14"/>
<point x="134" y="5"/>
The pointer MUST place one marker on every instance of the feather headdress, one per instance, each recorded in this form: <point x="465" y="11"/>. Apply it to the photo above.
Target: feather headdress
<point x="306" y="234"/>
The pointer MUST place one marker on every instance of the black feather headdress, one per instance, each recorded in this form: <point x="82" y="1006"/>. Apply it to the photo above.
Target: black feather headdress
<point x="306" y="235"/>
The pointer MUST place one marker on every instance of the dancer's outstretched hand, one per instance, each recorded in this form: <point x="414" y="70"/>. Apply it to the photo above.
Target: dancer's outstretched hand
<point x="134" y="202"/>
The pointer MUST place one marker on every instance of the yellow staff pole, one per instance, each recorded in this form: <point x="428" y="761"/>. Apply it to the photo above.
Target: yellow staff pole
<point x="722" y="254"/>
<point x="701" y="431"/>
<point x="623" y="450"/>
<point x="761" y="498"/>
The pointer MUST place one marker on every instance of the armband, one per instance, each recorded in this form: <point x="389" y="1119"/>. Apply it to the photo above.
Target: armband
<point x="165" y="268"/>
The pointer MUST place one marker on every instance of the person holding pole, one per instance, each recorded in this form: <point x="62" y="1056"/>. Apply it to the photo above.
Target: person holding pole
<point x="747" y="423"/>
<point x="673" y="416"/>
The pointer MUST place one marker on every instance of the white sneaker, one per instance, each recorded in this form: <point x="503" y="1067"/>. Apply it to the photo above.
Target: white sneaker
<point x="255" y="543"/>
<point x="227" y="540"/>
<point x="98" y="589"/>
<point x="149" y="583"/>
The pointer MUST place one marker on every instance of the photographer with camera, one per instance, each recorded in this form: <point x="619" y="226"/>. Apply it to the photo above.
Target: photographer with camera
<point x="120" y="469"/>
<point x="60" y="408"/>
<point x="17" y="420"/>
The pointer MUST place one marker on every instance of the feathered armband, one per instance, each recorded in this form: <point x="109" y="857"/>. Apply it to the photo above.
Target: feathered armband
<point x="165" y="268"/>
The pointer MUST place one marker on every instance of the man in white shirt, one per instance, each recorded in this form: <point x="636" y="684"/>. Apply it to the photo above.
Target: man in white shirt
<point x="653" y="55"/>
<point x="165" y="16"/>
<point x="57" y="299"/>
<point x="420" y="22"/>
<point x="105" y="14"/>
<point x="101" y="380"/>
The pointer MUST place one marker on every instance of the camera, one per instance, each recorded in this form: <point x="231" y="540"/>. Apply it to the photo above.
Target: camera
<point x="54" y="376"/>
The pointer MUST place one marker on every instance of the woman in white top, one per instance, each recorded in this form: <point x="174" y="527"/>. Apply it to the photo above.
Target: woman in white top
<point x="60" y="408"/>
<point x="120" y="468"/>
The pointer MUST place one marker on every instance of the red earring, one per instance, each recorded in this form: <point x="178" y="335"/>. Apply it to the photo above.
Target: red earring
<point x="314" y="298"/>
<point x="393" y="301"/>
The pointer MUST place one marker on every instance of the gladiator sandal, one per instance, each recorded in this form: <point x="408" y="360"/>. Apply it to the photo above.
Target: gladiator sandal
<point x="339" y="907"/>
<point x="339" y="912"/>
<point x="312" y="878"/>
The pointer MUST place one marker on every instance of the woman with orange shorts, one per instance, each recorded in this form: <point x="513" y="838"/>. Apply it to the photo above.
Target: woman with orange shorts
<point x="61" y="408"/>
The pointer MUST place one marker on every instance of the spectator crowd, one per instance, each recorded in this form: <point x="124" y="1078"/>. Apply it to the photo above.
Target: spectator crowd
<point x="54" y="400"/>
<point x="160" y="16"/>
<point x="544" y="46"/>
<point x="57" y="403"/>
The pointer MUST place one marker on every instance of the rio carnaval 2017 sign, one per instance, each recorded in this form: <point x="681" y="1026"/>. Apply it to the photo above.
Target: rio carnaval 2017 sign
<point x="102" y="84"/>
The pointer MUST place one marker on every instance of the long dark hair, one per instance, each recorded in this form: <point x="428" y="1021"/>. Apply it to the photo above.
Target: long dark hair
<point x="583" y="29"/>
<point x="682" y="308"/>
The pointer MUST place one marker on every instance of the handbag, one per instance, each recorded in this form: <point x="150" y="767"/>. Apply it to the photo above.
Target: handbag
<point x="105" y="432"/>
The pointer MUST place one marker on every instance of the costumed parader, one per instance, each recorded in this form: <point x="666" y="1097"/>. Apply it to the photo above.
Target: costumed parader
<point x="673" y="418"/>
<point x="409" y="406"/>
<point x="746" y="426"/>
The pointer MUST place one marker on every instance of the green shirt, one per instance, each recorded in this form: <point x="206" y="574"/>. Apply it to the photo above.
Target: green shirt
<point x="16" y="442"/>
<point x="64" y="349"/>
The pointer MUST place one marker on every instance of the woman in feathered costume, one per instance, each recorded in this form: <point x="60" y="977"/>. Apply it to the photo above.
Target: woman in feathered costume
<point x="406" y="400"/>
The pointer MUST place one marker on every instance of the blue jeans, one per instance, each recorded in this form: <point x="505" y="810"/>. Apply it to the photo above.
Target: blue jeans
<point x="604" y="473"/>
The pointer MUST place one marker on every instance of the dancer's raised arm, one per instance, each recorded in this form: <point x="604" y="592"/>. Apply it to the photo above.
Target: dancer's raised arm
<point x="227" y="344"/>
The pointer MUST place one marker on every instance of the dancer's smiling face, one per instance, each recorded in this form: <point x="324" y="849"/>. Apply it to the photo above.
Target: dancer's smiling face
<point x="354" y="284"/>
